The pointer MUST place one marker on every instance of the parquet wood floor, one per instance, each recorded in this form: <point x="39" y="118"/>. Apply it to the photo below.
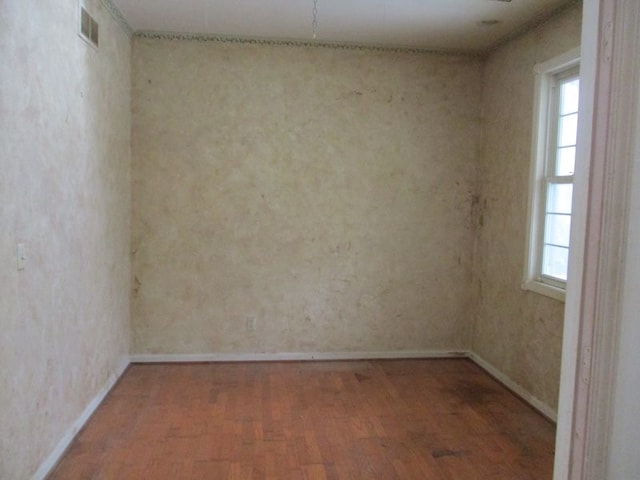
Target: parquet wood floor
<point x="386" y="419"/>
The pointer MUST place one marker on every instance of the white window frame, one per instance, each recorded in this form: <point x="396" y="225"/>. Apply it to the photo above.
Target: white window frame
<point x="546" y="74"/>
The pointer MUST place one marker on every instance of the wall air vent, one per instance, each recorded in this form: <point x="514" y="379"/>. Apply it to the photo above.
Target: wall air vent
<point x="88" y="28"/>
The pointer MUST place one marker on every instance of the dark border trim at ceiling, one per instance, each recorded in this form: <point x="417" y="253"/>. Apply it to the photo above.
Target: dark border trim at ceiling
<point x="116" y="14"/>
<point x="202" y="37"/>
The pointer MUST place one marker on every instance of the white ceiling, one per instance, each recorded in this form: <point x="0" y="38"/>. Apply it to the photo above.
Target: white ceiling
<point x="432" y="24"/>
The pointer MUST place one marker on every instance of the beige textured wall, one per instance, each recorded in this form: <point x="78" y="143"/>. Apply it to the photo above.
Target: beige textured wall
<point x="65" y="193"/>
<point x="326" y="192"/>
<point x="518" y="332"/>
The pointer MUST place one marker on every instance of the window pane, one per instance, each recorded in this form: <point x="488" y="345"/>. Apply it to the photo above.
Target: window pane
<point x="559" y="197"/>
<point x="569" y="96"/>
<point x="555" y="261"/>
<point x="567" y="130"/>
<point x="565" y="161"/>
<point x="557" y="228"/>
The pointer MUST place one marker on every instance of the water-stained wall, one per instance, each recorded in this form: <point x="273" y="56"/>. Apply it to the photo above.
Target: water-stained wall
<point x="324" y="192"/>
<point x="518" y="332"/>
<point x="65" y="195"/>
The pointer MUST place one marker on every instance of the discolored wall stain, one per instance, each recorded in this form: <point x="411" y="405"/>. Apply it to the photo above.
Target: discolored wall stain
<point x="65" y="194"/>
<point x="518" y="332"/>
<point x="325" y="192"/>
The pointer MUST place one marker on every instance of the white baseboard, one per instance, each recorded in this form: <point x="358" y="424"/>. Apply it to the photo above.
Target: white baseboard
<point x="294" y="356"/>
<point x="53" y="458"/>
<point x="536" y="403"/>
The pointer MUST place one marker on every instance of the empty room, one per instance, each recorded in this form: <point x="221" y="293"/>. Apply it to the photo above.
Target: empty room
<point x="319" y="239"/>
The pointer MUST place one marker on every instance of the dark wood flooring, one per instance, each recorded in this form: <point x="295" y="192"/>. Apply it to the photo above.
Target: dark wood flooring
<point x="383" y="419"/>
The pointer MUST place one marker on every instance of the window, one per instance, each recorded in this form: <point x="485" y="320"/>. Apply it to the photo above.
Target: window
<point x="554" y="157"/>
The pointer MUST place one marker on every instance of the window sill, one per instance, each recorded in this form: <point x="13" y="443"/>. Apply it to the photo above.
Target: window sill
<point x="545" y="289"/>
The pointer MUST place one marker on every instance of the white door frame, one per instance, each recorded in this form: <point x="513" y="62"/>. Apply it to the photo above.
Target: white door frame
<point x="609" y="81"/>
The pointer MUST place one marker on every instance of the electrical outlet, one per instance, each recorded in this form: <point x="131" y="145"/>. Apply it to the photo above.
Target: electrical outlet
<point x="251" y="323"/>
<point x="21" y="257"/>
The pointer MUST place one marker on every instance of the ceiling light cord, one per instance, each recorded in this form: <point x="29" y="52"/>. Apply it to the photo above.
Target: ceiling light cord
<point x="314" y="23"/>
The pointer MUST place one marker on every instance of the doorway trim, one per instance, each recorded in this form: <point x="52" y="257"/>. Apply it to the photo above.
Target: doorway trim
<point x="609" y="77"/>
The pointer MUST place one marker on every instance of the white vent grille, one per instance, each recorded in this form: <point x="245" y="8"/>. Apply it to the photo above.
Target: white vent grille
<point x="88" y="28"/>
